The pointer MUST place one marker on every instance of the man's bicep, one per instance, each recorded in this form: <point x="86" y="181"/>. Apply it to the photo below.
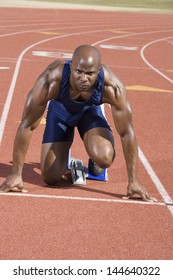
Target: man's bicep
<point x="32" y="112"/>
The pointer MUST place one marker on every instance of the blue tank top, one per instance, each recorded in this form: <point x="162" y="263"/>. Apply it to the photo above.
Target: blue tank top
<point x="70" y="110"/>
<point x="76" y="106"/>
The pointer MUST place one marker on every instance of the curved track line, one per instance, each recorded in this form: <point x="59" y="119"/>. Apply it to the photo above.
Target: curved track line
<point x="44" y="29"/>
<point x="149" y="64"/>
<point x="130" y="35"/>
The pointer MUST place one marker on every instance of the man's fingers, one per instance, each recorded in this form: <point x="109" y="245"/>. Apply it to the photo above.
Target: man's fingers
<point x="144" y="197"/>
<point x="7" y="188"/>
<point x="19" y="189"/>
<point x="24" y="191"/>
<point x="126" y="197"/>
<point x="148" y="198"/>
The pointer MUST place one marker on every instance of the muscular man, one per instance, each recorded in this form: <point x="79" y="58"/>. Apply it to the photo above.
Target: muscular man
<point x="75" y="90"/>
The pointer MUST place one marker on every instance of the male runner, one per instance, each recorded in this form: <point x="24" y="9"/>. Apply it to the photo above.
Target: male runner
<point x="75" y="90"/>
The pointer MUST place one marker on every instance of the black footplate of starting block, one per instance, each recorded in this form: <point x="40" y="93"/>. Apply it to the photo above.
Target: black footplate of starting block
<point x="78" y="172"/>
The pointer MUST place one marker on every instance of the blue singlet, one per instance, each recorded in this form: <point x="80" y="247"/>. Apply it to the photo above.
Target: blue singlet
<point x="64" y="113"/>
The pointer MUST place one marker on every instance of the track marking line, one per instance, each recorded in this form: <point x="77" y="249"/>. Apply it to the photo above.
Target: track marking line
<point x="52" y="54"/>
<point x="121" y="32"/>
<point x="149" y="64"/>
<point x="161" y="189"/>
<point x="49" y="33"/>
<point x="145" y="88"/>
<point x="43" y="121"/>
<point x="170" y="71"/>
<point x="117" y="47"/>
<point x="143" y="159"/>
<point x="86" y="199"/>
<point x="4" y="68"/>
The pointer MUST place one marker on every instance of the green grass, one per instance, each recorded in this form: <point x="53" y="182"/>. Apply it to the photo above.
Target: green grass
<point x="150" y="4"/>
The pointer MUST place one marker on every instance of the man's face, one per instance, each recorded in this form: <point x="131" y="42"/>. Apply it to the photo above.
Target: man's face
<point x="84" y="73"/>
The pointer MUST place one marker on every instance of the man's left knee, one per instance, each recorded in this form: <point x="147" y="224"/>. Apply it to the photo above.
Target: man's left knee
<point x="106" y="160"/>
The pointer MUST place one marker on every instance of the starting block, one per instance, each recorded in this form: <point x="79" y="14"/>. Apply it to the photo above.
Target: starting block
<point x="77" y="172"/>
<point x="80" y="173"/>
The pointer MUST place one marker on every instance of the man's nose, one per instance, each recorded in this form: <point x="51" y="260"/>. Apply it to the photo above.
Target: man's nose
<point x="83" y="77"/>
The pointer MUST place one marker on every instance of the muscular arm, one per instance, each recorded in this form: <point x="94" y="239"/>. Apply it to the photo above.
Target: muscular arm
<point x="122" y="117"/>
<point x="32" y="113"/>
<point x="44" y="89"/>
<point x="115" y="95"/>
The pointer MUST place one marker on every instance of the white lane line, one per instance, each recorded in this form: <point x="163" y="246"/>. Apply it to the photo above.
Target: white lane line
<point x="52" y="54"/>
<point x="116" y="47"/>
<point x="149" y="64"/>
<point x="130" y="35"/>
<point x="145" y="162"/>
<point x="83" y="198"/>
<point x="161" y="189"/>
<point x="4" y="68"/>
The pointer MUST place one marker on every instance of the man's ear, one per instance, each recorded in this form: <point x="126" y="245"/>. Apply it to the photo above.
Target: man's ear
<point x="70" y="65"/>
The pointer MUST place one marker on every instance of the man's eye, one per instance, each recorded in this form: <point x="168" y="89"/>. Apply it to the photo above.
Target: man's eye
<point x="78" y="71"/>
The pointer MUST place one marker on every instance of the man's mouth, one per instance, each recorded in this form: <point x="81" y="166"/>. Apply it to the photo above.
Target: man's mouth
<point x="84" y="85"/>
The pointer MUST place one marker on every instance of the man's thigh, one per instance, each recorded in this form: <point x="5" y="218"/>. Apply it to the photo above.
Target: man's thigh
<point x="99" y="144"/>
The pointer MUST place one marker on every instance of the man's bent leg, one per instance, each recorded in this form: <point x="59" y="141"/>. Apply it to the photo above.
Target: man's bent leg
<point x="99" y="144"/>
<point x="54" y="159"/>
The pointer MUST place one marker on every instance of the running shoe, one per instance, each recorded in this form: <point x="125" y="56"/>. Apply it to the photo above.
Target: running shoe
<point x="94" y="169"/>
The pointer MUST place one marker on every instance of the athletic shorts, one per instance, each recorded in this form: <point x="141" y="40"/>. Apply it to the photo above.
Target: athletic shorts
<point x="57" y="130"/>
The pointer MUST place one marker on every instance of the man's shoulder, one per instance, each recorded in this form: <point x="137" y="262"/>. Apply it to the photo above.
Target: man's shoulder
<point x="55" y="69"/>
<point x="56" y="65"/>
<point x="109" y="76"/>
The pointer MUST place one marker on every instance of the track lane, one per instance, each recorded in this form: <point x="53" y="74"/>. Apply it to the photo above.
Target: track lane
<point x="115" y="187"/>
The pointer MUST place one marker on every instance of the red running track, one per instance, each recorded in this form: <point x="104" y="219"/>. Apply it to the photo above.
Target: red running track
<point x="89" y="222"/>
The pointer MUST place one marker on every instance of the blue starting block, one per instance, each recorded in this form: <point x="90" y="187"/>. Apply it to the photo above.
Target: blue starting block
<point x="101" y="177"/>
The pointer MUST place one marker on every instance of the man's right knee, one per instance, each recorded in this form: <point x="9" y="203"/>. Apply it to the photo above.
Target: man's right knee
<point x="51" y="179"/>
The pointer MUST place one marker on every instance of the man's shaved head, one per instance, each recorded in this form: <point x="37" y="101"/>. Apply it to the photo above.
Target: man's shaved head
<point x="86" y="54"/>
<point x="85" y="66"/>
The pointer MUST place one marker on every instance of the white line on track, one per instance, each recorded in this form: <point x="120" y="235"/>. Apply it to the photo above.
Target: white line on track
<point x="167" y="199"/>
<point x="143" y="159"/>
<point x="117" y="47"/>
<point x="13" y="83"/>
<point x="149" y="64"/>
<point x="52" y="54"/>
<point x="4" y="68"/>
<point x="83" y="198"/>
